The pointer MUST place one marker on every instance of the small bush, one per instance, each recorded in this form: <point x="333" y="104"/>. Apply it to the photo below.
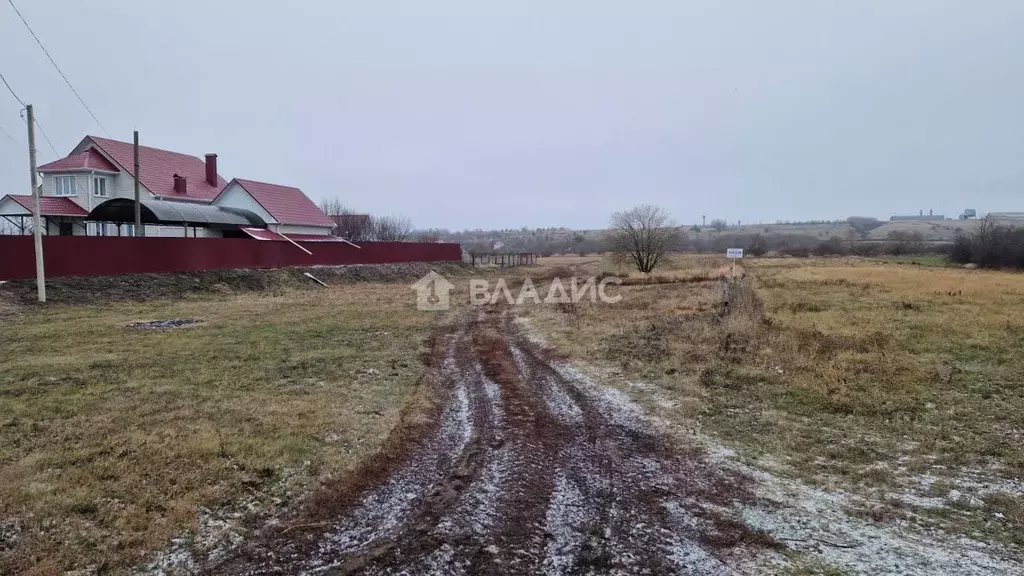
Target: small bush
<point x="990" y="245"/>
<point x="834" y="246"/>
<point x="757" y="246"/>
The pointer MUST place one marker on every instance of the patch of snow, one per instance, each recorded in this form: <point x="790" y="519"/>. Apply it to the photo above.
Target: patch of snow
<point x="614" y="404"/>
<point x="561" y="404"/>
<point x="815" y="522"/>
<point x="521" y="365"/>
<point x="382" y="510"/>
<point x="973" y="481"/>
<point x="216" y="535"/>
<point x="439" y="562"/>
<point x="918" y="501"/>
<point x="566" y="512"/>
<point x="690" y="558"/>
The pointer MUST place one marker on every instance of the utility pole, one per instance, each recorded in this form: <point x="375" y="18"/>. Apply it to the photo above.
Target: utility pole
<point x="36" y="220"/>
<point x="138" y="207"/>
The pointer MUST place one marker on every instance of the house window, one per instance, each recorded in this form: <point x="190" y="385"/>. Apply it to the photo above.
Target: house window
<point x="64" y="186"/>
<point x="99" y="186"/>
<point x="97" y="229"/>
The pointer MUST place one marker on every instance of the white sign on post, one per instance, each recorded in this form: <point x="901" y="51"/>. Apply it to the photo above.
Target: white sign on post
<point x="733" y="254"/>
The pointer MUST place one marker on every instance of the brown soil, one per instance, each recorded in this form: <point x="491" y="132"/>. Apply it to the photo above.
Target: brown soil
<point x="524" y="467"/>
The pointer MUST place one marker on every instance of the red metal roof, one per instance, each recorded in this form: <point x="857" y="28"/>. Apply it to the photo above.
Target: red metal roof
<point x="263" y="234"/>
<point x="88" y="160"/>
<point x="286" y="204"/>
<point x="158" y="168"/>
<point x="49" y="206"/>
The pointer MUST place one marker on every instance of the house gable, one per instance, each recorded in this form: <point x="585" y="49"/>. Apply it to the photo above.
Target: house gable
<point x="235" y="196"/>
<point x="11" y="207"/>
<point x="285" y="204"/>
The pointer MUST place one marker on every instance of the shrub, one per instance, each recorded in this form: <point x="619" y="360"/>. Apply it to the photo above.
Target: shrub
<point x="834" y="246"/>
<point x="990" y="245"/>
<point x="757" y="246"/>
<point x="902" y="242"/>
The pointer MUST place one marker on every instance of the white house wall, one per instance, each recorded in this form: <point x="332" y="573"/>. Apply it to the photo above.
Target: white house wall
<point x="234" y="196"/>
<point x="179" y="232"/>
<point x="8" y="206"/>
<point x="81" y="198"/>
<point x="78" y="226"/>
<point x="291" y="229"/>
<point x="118" y="186"/>
<point x="124" y="187"/>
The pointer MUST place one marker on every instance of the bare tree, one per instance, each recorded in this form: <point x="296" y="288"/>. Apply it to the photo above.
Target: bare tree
<point x="430" y="235"/>
<point x="719" y="225"/>
<point x="904" y="242"/>
<point x="334" y="207"/>
<point x="390" y="228"/>
<point x="643" y="235"/>
<point x="349" y="224"/>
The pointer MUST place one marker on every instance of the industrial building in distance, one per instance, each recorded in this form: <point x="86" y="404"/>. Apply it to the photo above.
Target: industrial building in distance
<point x="968" y="214"/>
<point x="917" y="217"/>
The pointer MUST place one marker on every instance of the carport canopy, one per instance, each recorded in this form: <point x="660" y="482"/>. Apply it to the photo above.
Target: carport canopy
<point x="167" y="213"/>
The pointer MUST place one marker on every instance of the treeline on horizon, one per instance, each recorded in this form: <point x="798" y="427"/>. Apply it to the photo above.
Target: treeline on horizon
<point x="989" y="245"/>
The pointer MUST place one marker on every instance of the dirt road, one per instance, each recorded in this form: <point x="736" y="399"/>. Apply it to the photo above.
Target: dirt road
<point x="527" y="468"/>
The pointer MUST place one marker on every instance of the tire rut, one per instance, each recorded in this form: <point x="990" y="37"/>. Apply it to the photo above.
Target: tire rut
<point x="530" y="468"/>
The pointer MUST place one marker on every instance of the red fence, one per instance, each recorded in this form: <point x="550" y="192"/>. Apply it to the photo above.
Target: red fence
<point x="111" y="256"/>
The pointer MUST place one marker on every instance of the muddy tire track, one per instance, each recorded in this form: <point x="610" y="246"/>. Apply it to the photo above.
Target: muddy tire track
<point x="527" y="467"/>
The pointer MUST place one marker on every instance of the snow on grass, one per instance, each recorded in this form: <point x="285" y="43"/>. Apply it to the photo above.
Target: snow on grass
<point x="815" y="522"/>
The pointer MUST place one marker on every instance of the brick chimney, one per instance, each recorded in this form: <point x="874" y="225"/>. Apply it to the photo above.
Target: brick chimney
<point x="211" y="169"/>
<point x="180" y="185"/>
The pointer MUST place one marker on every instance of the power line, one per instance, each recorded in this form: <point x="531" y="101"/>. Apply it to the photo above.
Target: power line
<point x="45" y="137"/>
<point x="20" y="101"/>
<point x="59" y="71"/>
<point x="38" y="125"/>
<point x="9" y="137"/>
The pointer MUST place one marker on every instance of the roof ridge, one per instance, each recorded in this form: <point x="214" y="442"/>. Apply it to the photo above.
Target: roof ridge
<point x="266" y="183"/>
<point x="100" y="140"/>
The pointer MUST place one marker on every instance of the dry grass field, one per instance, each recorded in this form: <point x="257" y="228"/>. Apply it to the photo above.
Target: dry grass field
<point x="112" y="438"/>
<point x="897" y="381"/>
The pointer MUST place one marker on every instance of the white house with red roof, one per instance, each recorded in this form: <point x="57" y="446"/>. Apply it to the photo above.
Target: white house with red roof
<point x="100" y="169"/>
<point x="285" y="209"/>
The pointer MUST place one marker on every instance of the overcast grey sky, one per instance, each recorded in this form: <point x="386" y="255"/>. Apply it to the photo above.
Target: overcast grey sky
<point x="475" y="113"/>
